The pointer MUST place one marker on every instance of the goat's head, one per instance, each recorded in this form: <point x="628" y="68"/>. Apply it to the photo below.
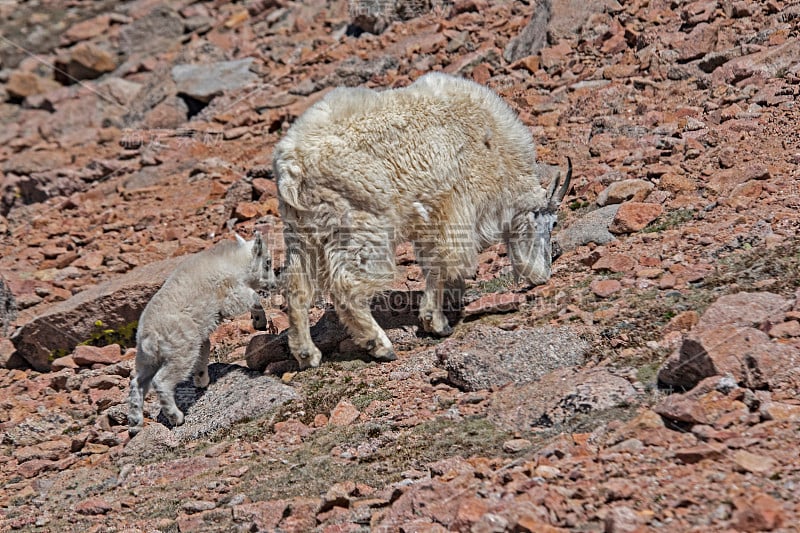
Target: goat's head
<point x="259" y="273"/>
<point x="529" y="243"/>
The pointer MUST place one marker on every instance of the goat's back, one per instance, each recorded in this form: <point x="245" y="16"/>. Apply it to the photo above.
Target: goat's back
<point x="407" y="152"/>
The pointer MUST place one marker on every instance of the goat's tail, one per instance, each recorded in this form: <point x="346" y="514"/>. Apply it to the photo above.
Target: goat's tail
<point x="289" y="177"/>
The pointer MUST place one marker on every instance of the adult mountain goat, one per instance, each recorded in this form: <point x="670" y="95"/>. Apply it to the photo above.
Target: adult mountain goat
<point x="444" y="163"/>
<point x="172" y="340"/>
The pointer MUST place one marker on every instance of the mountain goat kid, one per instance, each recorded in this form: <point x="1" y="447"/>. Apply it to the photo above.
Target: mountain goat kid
<point x="444" y="163"/>
<point x="172" y="340"/>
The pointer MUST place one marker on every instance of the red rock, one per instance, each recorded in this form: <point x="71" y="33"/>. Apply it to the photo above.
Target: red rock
<point x="622" y="519"/>
<point x="247" y="210"/>
<point x="649" y="273"/>
<point x="89" y="355"/>
<point x="555" y="56"/>
<point x="87" y="29"/>
<point x="718" y="351"/>
<point x="302" y="515"/>
<point x="760" y="513"/>
<point x="700" y="41"/>
<point x="34" y="467"/>
<point x="23" y="84"/>
<point x="90" y="261"/>
<point x="264" y="187"/>
<point x="89" y="61"/>
<point x="344" y="414"/>
<point x="266" y="515"/>
<point x="495" y="303"/>
<point x="535" y="519"/>
<point x="634" y="216"/>
<point x="750" y="309"/>
<point x="695" y="454"/>
<point x="790" y="328"/>
<point x="675" y="183"/>
<point x="781" y="412"/>
<point x="615" y="263"/>
<point x="93" y="506"/>
<point x="605" y="287"/>
<point x="621" y="191"/>
<point x="725" y="181"/>
<point x="683" y="321"/>
<point x="699" y="11"/>
<point x="618" y="489"/>
<point x="470" y="510"/>
<point x="750" y="462"/>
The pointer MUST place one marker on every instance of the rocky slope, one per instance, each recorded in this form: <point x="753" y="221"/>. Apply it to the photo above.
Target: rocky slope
<point x="650" y="385"/>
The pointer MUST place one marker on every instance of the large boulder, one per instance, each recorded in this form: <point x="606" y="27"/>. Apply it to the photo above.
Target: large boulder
<point x="728" y="341"/>
<point x="116" y="303"/>
<point x="489" y="357"/>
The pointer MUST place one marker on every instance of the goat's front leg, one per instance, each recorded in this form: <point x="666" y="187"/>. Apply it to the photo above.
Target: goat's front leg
<point x="257" y="314"/>
<point x="356" y="315"/>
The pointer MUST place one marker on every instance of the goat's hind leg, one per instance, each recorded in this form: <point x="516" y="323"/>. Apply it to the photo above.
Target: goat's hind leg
<point x="358" y="271"/>
<point x="140" y="384"/>
<point x="165" y="381"/>
<point x="299" y="294"/>
<point x="201" y="377"/>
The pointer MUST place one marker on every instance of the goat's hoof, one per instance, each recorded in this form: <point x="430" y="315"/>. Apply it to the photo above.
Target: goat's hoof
<point x="386" y="357"/>
<point x="176" y="419"/>
<point x="445" y="331"/>
<point x="201" y="380"/>
<point x="134" y="430"/>
<point x="308" y="358"/>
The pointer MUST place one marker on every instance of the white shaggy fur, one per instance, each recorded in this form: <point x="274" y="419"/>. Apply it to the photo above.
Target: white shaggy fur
<point x="172" y="339"/>
<point x="444" y="163"/>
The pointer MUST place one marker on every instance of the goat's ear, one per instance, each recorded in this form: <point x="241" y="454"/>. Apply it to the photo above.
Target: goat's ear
<point x="240" y="239"/>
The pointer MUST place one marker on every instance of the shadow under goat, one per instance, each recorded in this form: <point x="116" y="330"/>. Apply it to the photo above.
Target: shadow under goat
<point x="172" y="340"/>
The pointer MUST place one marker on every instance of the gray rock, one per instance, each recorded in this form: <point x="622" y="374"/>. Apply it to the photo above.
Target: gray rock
<point x="234" y="394"/>
<point x="354" y="71"/>
<point x="117" y="302"/>
<point x="154" y="32"/>
<point x="568" y="17"/>
<point x="489" y="357"/>
<point x="558" y="397"/>
<point x="533" y="37"/>
<point x="148" y="445"/>
<point x="374" y="16"/>
<point x="204" y="82"/>
<point x="592" y="227"/>
<point x="121" y="91"/>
